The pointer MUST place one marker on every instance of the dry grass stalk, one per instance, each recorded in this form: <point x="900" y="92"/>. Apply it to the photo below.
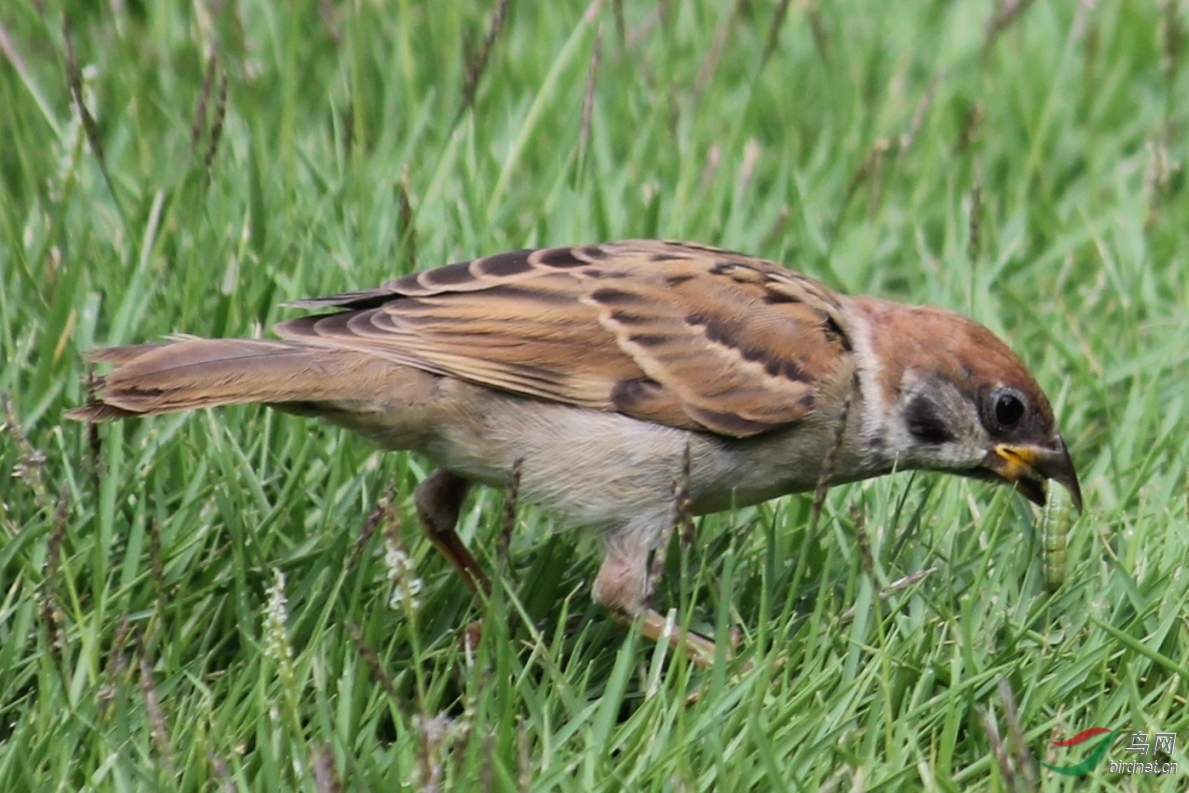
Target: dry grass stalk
<point x="326" y="778"/>
<point x="216" y="129"/>
<point x="592" y="74"/>
<point x="198" y="126"/>
<point x="508" y="518"/>
<point x="975" y="205"/>
<point x="478" y="60"/>
<point x="158" y="730"/>
<point x="74" y="80"/>
<point x="377" y="668"/>
<point x="774" y="26"/>
<point x="1006" y="14"/>
<point x="408" y="229"/>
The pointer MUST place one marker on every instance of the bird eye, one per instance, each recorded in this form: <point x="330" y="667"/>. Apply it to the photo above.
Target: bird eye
<point x="1009" y="409"/>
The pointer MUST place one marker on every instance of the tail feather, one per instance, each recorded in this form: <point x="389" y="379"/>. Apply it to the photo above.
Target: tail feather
<point x="163" y="378"/>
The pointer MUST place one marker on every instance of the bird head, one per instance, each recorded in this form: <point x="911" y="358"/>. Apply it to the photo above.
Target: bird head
<point x="955" y="398"/>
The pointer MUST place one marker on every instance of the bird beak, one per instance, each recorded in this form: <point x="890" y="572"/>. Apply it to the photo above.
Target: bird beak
<point x="1027" y="467"/>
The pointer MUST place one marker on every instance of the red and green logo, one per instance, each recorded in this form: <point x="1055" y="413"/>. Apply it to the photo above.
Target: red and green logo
<point x="1095" y="755"/>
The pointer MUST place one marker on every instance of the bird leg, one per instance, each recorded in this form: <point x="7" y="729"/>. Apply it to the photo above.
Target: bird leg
<point x="439" y="499"/>
<point x="621" y="586"/>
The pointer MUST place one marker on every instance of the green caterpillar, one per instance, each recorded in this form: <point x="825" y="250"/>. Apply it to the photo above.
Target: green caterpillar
<point x="1055" y="519"/>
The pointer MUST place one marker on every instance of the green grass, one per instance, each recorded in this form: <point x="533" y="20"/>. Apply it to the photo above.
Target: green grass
<point x="1035" y="182"/>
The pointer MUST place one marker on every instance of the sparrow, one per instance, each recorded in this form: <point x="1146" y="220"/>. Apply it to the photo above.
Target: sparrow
<point x="599" y="372"/>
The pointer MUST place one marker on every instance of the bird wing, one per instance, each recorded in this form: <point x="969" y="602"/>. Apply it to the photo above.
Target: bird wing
<point x="679" y="334"/>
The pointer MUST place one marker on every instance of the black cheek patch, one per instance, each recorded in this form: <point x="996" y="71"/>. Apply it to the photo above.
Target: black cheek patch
<point x="924" y="424"/>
